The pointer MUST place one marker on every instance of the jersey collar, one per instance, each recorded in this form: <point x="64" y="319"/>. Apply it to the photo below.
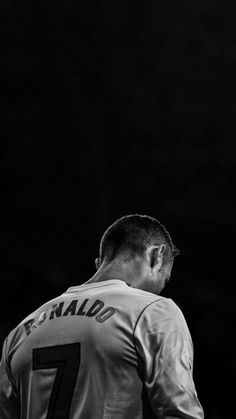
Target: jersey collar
<point x="96" y="284"/>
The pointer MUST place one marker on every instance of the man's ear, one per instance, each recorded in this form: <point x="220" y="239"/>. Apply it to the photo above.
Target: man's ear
<point x="156" y="256"/>
<point x="97" y="263"/>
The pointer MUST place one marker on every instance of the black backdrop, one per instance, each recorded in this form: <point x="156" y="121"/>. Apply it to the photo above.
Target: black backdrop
<point x="110" y="108"/>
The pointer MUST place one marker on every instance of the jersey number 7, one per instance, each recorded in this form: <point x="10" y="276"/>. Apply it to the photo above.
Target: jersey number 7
<point x="66" y="359"/>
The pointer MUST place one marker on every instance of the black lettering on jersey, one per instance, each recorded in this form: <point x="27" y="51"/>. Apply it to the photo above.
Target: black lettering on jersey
<point x="81" y="311"/>
<point x="28" y="326"/>
<point x="56" y="310"/>
<point x="71" y="308"/>
<point x="96" y="307"/>
<point x="105" y="314"/>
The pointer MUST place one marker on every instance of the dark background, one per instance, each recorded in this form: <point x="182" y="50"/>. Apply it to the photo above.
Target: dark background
<point x="117" y="107"/>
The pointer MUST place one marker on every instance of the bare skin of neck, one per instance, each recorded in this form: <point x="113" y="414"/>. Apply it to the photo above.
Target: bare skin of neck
<point x="117" y="269"/>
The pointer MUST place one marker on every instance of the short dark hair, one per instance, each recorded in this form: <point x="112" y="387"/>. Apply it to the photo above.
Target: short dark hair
<point x="132" y="234"/>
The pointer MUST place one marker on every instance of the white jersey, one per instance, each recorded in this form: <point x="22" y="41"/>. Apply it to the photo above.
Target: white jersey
<point x="100" y="351"/>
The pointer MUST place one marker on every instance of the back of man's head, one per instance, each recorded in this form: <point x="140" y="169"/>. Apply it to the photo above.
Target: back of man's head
<point x="131" y="235"/>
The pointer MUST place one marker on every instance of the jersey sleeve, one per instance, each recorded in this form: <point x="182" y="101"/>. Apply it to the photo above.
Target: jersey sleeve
<point x="9" y="405"/>
<point x="165" y="349"/>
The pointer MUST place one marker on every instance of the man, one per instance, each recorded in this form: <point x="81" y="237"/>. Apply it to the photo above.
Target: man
<point x="111" y="348"/>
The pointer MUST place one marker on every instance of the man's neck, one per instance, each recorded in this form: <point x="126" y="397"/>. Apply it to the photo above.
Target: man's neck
<point x="112" y="271"/>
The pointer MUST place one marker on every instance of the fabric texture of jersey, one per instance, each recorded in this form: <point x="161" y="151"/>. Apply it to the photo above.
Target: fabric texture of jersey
<point x="100" y="351"/>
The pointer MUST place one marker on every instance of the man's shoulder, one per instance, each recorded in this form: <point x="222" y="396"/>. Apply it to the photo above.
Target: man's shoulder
<point x="40" y="309"/>
<point x="154" y="301"/>
<point x="146" y="296"/>
<point x="138" y="301"/>
<point x="164" y="315"/>
<point x="21" y="327"/>
<point x="124" y="294"/>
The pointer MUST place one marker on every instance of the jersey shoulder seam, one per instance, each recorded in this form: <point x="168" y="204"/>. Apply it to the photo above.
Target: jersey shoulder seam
<point x="142" y="311"/>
